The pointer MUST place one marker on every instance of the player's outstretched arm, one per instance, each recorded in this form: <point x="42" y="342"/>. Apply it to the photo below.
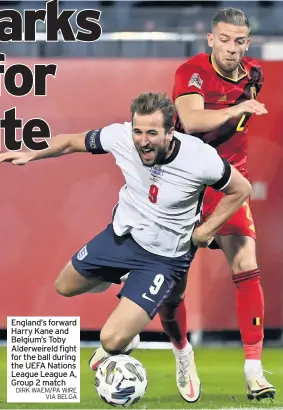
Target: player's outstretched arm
<point x="60" y="145"/>
<point x="195" y="118"/>
<point x="236" y="192"/>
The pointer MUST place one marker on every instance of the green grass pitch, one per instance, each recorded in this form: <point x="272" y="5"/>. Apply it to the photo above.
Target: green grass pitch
<point x="221" y="372"/>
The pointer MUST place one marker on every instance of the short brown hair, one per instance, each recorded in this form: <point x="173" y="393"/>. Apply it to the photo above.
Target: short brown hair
<point x="236" y="17"/>
<point x="148" y="103"/>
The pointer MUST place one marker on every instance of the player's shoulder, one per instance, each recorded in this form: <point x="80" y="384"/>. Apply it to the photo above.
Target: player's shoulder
<point x="119" y="134"/>
<point x="190" y="144"/>
<point x="127" y="128"/>
<point x="250" y="62"/>
<point x="253" y="68"/>
<point x="119" y="129"/>
<point x="120" y="126"/>
<point x="195" y="155"/>
<point x="199" y="63"/>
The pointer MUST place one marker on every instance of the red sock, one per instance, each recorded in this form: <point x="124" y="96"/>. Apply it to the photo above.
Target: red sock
<point x="174" y="321"/>
<point x="250" y="312"/>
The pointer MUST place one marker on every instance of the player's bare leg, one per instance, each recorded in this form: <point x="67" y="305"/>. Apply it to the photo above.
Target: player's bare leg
<point x="120" y="334"/>
<point x="173" y="319"/>
<point x="71" y="283"/>
<point x="173" y="316"/>
<point x="99" y="355"/>
<point x="125" y="322"/>
<point x="240" y="252"/>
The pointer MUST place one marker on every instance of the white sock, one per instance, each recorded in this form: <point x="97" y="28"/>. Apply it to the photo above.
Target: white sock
<point x="129" y="346"/>
<point x="252" y="365"/>
<point x="187" y="349"/>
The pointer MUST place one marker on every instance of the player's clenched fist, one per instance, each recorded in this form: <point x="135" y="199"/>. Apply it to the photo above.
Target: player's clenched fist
<point x="200" y="238"/>
<point x="16" y="158"/>
<point x="250" y="106"/>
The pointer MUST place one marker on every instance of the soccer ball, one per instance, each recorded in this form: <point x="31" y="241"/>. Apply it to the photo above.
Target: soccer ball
<point x="121" y="380"/>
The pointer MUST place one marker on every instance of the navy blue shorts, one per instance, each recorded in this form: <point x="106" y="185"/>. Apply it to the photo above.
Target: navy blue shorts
<point x="152" y="278"/>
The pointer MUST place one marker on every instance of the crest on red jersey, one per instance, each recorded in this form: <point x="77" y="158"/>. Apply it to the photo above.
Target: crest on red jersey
<point x="195" y="80"/>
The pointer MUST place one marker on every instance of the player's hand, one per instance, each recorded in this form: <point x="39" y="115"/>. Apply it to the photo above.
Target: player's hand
<point x="250" y="106"/>
<point x="16" y="158"/>
<point x="200" y="238"/>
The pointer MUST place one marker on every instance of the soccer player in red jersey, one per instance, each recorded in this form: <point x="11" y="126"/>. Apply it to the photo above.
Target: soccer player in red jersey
<point x="215" y="96"/>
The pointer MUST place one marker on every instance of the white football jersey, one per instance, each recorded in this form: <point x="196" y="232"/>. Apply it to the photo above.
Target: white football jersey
<point x="159" y="206"/>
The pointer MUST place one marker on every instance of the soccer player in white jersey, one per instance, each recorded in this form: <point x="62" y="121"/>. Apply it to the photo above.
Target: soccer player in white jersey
<point x="154" y="232"/>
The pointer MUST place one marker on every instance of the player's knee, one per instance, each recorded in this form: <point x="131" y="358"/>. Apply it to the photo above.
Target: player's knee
<point x="168" y="309"/>
<point x="244" y="265"/>
<point x="174" y="300"/>
<point x="112" y="341"/>
<point x="253" y="338"/>
<point x="63" y="289"/>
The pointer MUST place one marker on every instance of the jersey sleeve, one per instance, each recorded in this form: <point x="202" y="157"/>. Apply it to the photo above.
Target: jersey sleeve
<point x="260" y="81"/>
<point x="216" y="171"/>
<point x="189" y="79"/>
<point x="104" y="140"/>
<point x="257" y="77"/>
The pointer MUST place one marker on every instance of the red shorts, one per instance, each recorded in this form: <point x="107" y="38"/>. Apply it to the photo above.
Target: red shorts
<point x="241" y="223"/>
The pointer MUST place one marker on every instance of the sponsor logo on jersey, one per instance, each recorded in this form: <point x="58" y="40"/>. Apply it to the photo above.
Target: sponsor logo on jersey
<point x="223" y="98"/>
<point x="144" y="295"/>
<point x="195" y="80"/>
<point x="157" y="171"/>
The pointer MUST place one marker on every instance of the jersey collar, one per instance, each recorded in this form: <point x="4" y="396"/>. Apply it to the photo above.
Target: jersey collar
<point x="243" y="75"/>
<point x="174" y="153"/>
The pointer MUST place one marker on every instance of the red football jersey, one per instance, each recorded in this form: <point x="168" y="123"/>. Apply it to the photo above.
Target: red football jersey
<point x="199" y="75"/>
